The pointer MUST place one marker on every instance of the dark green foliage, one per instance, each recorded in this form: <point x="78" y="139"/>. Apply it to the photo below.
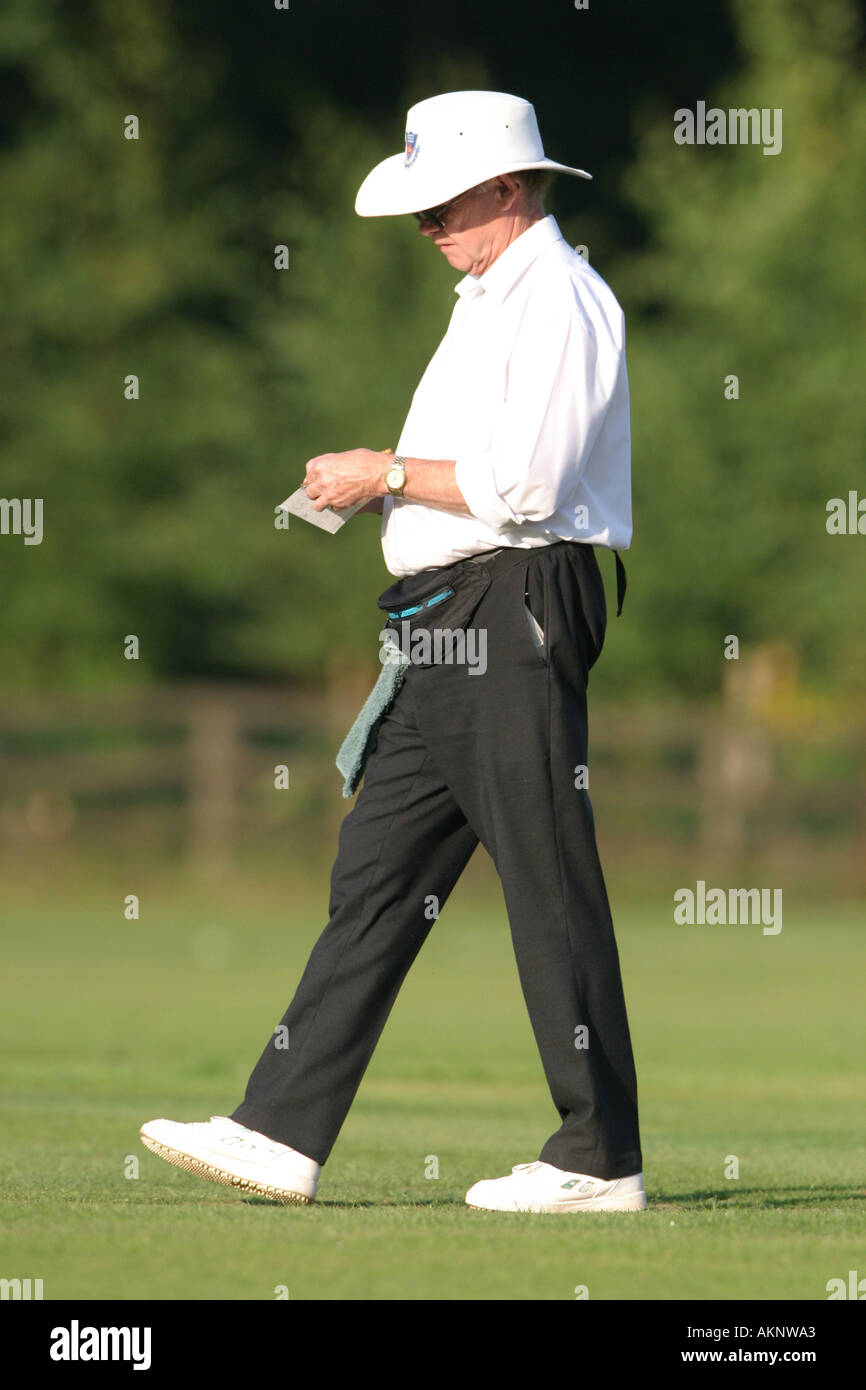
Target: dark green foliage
<point x="155" y="257"/>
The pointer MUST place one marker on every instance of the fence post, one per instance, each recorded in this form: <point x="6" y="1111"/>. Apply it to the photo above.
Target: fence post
<point x="736" y="763"/>
<point x="213" y="748"/>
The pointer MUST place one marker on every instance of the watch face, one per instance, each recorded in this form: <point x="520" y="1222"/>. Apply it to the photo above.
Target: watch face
<point x="395" y="477"/>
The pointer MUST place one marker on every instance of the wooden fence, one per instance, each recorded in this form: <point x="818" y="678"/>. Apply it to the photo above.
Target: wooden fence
<point x="194" y="771"/>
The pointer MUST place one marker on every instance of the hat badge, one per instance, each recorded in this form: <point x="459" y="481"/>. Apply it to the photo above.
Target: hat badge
<point x="411" y="148"/>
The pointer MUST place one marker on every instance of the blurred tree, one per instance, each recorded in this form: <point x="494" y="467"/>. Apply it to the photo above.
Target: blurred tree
<point x="755" y="270"/>
<point x="150" y="257"/>
<point x="155" y="257"/>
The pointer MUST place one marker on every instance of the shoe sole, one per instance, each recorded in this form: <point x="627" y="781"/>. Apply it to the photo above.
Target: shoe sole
<point x="220" y="1175"/>
<point x="634" y="1201"/>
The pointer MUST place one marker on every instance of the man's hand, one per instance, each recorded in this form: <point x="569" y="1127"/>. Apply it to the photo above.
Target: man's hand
<point x="342" y="480"/>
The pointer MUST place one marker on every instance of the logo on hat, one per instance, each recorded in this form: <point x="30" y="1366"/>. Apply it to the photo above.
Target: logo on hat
<point x="411" y="148"/>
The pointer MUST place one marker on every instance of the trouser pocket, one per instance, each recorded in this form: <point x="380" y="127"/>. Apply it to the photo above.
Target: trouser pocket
<point x="535" y="607"/>
<point x="536" y="631"/>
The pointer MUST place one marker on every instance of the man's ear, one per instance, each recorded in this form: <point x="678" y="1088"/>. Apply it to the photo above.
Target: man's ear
<point x="507" y="189"/>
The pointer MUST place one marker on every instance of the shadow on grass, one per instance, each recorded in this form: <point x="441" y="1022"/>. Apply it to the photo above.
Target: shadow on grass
<point x="350" y="1205"/>
<point x="758" y="1198"/>
<point x="701" y="1200"/>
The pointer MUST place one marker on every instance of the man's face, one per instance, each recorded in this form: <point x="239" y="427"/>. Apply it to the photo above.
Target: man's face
<point x="473" y="227"/>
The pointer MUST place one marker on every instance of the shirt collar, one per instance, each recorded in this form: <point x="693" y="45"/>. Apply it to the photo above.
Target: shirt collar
<point x="507" y="269"/>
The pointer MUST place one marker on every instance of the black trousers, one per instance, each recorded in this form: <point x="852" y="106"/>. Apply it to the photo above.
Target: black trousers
<point x="463" y="758"/>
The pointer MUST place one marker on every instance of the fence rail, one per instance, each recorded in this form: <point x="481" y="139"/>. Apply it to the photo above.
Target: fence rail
<point x="195" y="770"/>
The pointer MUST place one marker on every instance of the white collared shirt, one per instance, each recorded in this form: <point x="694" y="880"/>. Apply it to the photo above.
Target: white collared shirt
<point x="528" y="392"/>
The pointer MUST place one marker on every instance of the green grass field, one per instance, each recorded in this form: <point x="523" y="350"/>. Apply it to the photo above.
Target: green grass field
<point x="746" y="1045"/>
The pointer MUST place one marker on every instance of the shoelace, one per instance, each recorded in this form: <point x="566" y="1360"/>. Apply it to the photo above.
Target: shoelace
<point x="241" y="1144"/>
<point x="237" y="1140"/>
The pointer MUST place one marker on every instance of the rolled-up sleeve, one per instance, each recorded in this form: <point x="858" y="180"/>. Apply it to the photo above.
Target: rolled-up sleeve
<point x="561" y="374"/>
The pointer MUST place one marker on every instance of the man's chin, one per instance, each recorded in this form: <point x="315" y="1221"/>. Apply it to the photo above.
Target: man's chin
<point x="455" y="257"/>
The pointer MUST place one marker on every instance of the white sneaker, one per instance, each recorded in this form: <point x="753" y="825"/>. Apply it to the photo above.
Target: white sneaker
<point x="541" y="1187"/>
<point x="226" y="1152"/>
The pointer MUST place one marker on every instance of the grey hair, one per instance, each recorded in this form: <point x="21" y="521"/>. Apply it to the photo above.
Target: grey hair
<point x="536" y="182"/>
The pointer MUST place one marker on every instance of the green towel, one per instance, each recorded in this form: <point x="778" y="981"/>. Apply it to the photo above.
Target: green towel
<point x="361" y="738"/>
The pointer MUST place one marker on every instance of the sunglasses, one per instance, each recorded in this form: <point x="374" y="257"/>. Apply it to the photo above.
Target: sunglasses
<point x="436" y="215"/>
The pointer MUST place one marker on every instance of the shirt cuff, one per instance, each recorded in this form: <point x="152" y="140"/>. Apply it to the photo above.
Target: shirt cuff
<point x="475" y="481"/>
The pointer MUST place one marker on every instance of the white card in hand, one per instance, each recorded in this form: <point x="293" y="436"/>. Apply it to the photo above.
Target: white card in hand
<point x="300" y="505"/>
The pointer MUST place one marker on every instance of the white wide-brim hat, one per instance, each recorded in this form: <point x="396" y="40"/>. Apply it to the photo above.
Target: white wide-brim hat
<point x="454" y="142"/>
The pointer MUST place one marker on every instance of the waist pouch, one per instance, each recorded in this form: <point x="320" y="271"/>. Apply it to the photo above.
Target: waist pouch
<point x="442" y="598"/>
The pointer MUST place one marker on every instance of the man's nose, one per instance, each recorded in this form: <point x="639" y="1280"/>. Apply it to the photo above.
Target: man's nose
<point x="426" y="228"/>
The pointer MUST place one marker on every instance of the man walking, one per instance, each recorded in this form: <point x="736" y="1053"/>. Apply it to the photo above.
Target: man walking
<point x="513" y="464"/>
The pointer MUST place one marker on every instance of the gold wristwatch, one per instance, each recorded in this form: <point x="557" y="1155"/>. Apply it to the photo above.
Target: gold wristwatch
<point x="395" y="478"/>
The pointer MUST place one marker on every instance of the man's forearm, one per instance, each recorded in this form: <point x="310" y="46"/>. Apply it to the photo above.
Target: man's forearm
<point x="432" y="481"/>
